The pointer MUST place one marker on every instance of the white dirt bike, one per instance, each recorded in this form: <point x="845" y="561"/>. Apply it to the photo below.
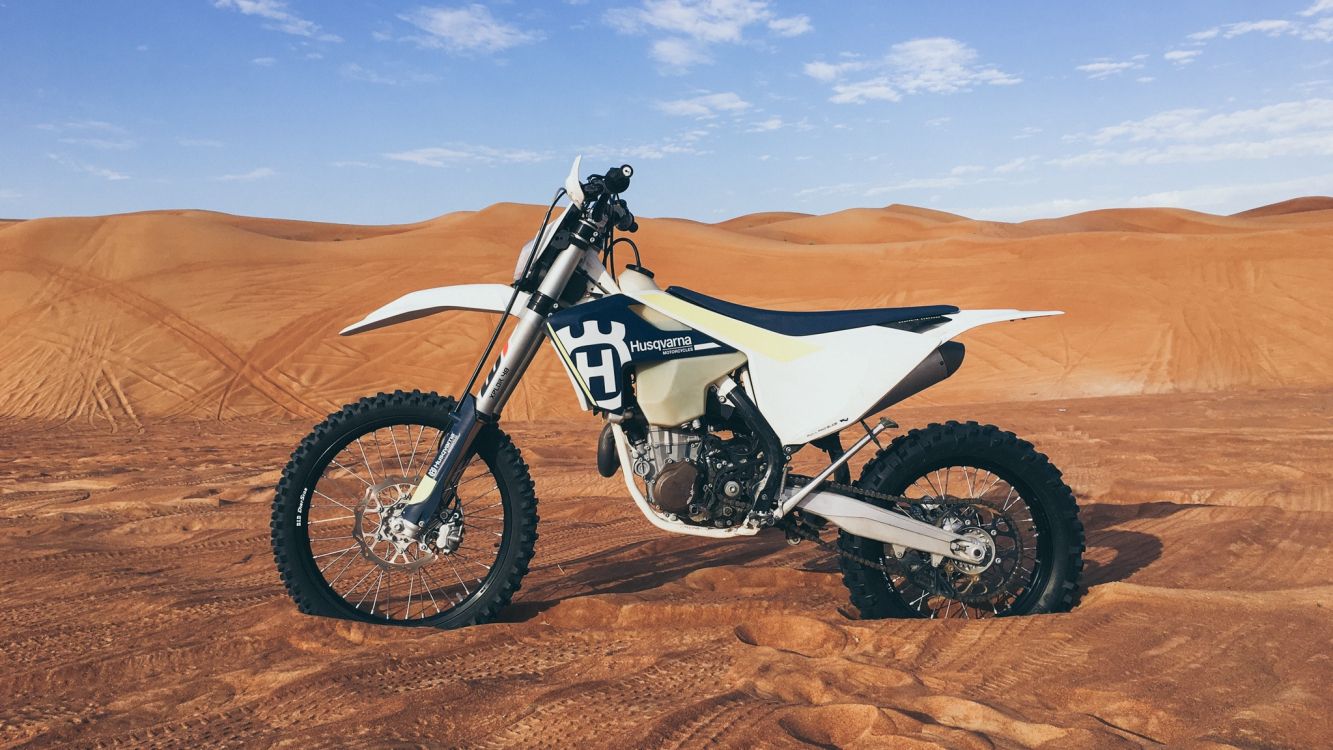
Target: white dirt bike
<point x="416" y="509"/>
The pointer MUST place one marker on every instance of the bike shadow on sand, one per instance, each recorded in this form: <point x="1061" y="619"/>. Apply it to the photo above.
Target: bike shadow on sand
<point x="1113" y="554"/>
<point x="1131" y="550"/>
<point x="627" y="569"/>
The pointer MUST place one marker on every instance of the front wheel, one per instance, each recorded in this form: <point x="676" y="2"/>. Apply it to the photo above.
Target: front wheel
<point x="350" y="476"/>
<point x="970" y="479"/>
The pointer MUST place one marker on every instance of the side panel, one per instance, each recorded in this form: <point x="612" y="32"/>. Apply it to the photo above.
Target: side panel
<point x="673" y="392"/>
<point x="811" y="386"/>
<point x="598" y="341"/>
<point x="478" y="297"/>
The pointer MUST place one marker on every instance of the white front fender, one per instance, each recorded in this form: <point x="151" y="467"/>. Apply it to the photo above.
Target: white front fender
<point x="478" y="297"/>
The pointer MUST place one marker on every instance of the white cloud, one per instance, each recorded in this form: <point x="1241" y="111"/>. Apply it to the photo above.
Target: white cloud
<point x="1105" y="68"/>
<point x="824" y="71"/>
<point x="927" y="183"/>
<point x="1145" y="79"/>
<point x="104" y="144"/>
<point x="260" y="173"/>
<point x="684" y="144"/>
<point x="1211" y="196"/>
<point x="1197" y="124"/>
<point x="264" y="62"/>
<point x="1319" y="144"/>
<point x="444" y="156"/>
<point x="355" y="72"/>
<point x="1270" y="27"/>
<point x="1206" y="197"/>
<point x="793" y="26"/>
<point x="9" y="195"/>
<point x="90" y="169"/>
<point x="691" y="26"/>
<point x="679" y="54"/>
<point x="279" y="18"/>
<point x="841" y="188"/>
<point x="860" y="92"/>
<point x="1182" y="56"/>
<point x="966" y="169"/>
<point x="200" y="142"/>
<point x="1038" y="209"/>
<point x="1317" y="31"/>
<point x="764" y="126"/>
<point x="469" y="29"/>
<point x="937" y="65"/>
<point x="705" y="106"/>
<point x="941" y="65"/>
<point x="1020" y="164"/>
<point x="82" y="125"/>
<point x="1287" y="129"/>
<point x="354" y="163"/>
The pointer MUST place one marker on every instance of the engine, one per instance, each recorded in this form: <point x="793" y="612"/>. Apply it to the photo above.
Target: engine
<point x="707" y="477"/>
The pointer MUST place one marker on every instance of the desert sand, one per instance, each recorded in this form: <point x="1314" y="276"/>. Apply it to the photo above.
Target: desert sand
<point x="157" y="368"/>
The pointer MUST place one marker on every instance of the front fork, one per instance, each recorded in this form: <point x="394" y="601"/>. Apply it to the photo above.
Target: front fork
<point x="475" y="412"/>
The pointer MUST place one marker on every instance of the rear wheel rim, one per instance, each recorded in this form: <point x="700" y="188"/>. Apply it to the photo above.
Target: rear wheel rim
<point x="368" y="474"/>
<point x="1004" y="508"/>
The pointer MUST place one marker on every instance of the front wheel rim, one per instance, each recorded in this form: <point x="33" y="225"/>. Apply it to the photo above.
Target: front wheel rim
<point x="366" y="477"/>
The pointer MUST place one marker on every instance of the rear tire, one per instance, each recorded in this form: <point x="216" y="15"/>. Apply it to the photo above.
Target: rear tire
<point x="898" y="469"/>
<point x="307" y="579"/>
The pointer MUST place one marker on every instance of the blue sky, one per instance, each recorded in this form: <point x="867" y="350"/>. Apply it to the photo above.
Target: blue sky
<point x="392" y="110"/>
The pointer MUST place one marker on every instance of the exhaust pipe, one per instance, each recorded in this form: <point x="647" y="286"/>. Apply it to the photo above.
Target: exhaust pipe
<point x="937" y="366"/>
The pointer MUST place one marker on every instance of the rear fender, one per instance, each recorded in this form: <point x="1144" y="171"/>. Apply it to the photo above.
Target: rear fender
<point x="477" y="297"/>
<point x="968" y="319"/>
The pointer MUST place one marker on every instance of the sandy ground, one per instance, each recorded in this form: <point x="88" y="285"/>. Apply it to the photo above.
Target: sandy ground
<point x="140" y="606"/>
<point x="156" y="369"/>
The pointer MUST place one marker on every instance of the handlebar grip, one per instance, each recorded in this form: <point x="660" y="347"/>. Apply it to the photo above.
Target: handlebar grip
<point x="617" y="178"/>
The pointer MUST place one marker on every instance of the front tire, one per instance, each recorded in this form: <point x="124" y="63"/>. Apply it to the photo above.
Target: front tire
<point x="347" y="475"/>
<point x="1019" y="498"/>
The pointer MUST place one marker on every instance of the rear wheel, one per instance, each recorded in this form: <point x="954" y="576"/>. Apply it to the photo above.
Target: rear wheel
<point x="354" y="472"/>
<point x="970" y="479"/>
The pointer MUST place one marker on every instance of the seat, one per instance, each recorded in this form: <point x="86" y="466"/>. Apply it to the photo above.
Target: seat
<point x="811" y="323"/>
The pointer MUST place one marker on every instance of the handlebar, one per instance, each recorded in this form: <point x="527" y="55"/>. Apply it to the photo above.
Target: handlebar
<point x="603" y="201"/>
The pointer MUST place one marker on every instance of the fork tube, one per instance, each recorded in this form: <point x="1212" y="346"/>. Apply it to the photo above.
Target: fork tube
<point x="473" y="412"/>
<point x="523" y="343"/>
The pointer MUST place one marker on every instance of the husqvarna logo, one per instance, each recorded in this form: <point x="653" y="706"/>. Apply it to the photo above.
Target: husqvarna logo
<point x="676" y="343"/>
<point x="599" y="357"/>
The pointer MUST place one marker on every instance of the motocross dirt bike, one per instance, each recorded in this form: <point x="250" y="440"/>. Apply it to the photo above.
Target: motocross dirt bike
<point x="417" y="509"/>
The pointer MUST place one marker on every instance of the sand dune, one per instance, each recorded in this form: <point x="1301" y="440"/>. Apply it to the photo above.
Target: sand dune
<point x="204" y="315"/>
<point x="156" y="369"/>
<point x="1293" y="206"/>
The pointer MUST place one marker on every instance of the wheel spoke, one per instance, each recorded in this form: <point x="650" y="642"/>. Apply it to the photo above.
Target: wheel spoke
<point x="393" y="437"/>
<point x="949" y="591"/>
<point x="364" y="568"/>
<point x="353" y="473"/>
<point x="366" y="460"/>
<point x="326" y="520"/>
